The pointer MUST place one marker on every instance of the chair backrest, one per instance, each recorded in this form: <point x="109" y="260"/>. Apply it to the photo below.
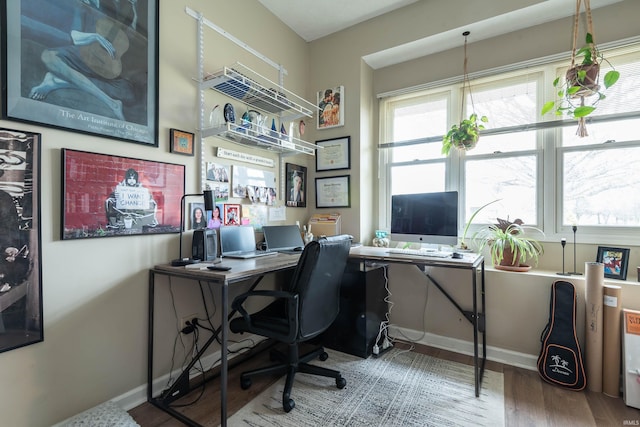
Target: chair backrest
<point x="317" y="281"/>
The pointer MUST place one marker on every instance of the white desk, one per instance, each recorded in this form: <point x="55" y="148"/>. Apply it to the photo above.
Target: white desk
<point x="472" y="262"/>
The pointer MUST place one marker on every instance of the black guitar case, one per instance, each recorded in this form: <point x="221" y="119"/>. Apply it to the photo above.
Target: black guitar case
<point x="560" y="361"/>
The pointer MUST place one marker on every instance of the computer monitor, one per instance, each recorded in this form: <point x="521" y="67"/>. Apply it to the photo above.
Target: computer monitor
<point x="425" y="218"/>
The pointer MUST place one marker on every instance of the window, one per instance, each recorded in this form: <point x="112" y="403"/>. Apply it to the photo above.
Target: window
<point x="415" y="123"/>
<point x="504" y="166"/>
<point x="600" y="172"/>
<point x="543" y="174"/>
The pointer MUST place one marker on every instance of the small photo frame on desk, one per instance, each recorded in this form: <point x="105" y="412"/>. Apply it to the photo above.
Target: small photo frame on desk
<point x="333" y="154"/>
<point x="615" y="260"/>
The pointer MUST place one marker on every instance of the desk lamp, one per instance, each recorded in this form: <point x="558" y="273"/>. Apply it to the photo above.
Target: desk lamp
<point x="208" y="206"/>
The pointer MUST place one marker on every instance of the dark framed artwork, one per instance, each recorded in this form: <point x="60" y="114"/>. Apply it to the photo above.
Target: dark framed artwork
<point x="21" y="320"/>
<point x="615" y="260"/>
<point x="333" y="192"/>
<point x="105" y="195"/>
<point x="181" y="142"/>
<point x="107" y="88"/>
<point x="296" y="185"/>
<point x="334" y="154"/>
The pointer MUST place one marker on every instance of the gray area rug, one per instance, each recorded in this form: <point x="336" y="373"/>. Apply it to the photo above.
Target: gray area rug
<point x="398" y="389"/>
<point x="107" y="414"/>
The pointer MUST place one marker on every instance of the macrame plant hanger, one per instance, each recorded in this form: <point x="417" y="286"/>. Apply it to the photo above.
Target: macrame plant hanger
<point x="466" y="85"/>
<point x="582" y="124"/>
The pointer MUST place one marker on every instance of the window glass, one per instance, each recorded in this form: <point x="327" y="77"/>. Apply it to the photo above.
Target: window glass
<point x="600" y="187"/>
<point x="512" y="179"/>
<point x="419" y="118"/>
<point x="421" y="178"/>
<point x="599" y="133"/>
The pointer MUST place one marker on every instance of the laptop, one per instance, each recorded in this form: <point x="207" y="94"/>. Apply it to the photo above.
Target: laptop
<point x="283" y="238"/>
<point x="239" y="241"/>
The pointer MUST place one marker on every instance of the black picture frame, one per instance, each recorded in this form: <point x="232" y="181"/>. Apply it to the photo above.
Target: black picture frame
<point x="107" y="196"/>
<point x="110" y="97"/>
<point x="21" y="321"/>
<point x="181" y="142"/>
<point x="615" y="260"/>
<point x="296" y="172"/>
<point x="333" y="154"/>
<point x="333" y="192"/>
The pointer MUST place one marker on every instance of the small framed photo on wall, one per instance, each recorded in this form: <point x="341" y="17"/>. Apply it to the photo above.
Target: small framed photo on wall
<point x="181" y="142"/>
<point x="296" y="185"/>
<point x="330" y="107"/>
<point x="232" y="214"/>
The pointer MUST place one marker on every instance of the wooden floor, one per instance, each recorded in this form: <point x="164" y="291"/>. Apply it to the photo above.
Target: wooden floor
<point x="529" y="401"/>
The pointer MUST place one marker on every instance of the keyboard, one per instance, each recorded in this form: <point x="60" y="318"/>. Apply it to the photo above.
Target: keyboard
<point x="419" y="252"/>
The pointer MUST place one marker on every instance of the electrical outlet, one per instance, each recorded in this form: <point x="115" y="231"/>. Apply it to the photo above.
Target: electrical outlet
<point x="189" y="318"/>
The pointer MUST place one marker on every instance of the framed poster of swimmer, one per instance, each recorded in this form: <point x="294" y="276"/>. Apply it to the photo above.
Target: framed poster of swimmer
<point x="85" y="66"/>
<point x="20" y="240"/>
<point x="105" y="196"/>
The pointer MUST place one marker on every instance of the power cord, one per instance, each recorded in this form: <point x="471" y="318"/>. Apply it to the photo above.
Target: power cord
<point x="383" y="332"/>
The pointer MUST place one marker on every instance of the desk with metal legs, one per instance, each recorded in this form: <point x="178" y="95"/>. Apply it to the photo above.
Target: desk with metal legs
<point x="472" y="262"/>
<point x="241" y="271"/>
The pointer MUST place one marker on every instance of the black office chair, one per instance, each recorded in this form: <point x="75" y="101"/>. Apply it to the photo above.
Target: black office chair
<point x="299" y="313"/>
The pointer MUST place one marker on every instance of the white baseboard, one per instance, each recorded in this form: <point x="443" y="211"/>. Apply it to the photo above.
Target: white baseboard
<point x="508" y="357"/>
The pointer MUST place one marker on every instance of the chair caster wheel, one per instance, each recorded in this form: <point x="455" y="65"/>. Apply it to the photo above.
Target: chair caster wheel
<point x="341" y="382"/>
<point x="288" y="405"/>
<point x="245" y="383"/>
<point x="323" y="356"/>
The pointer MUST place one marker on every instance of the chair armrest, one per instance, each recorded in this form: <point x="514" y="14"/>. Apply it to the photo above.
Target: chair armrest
<point x="292" y="305"/>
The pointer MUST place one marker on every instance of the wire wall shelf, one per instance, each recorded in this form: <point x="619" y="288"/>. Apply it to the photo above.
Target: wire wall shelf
<point x="261" y="137"/>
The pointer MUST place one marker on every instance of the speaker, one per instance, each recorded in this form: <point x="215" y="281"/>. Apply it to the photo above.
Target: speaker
<point x="205" y="245"/>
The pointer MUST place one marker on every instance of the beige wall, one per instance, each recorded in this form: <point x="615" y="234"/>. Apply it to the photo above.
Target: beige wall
<point x="95" y="291"/>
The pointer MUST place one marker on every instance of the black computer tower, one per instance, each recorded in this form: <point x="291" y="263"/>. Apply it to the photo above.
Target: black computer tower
<point x="362" y="310"/>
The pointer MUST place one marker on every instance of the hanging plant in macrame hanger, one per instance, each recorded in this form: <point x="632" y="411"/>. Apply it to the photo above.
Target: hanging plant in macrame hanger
<point x="579" y="92"/>
<point x="464" y="136"/>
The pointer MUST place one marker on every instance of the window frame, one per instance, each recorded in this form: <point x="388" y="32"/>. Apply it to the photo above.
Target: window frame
<point x="549" y="151"/>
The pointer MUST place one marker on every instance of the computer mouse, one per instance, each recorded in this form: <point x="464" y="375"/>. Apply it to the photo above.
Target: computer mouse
<point x="298" y="249"/>
<point x="456" y="255"/>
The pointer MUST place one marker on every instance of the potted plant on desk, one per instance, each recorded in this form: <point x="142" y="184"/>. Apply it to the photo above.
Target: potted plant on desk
<point x="509" y="245"/>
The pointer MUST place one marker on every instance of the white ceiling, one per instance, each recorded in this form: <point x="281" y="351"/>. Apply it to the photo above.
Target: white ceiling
<point x="313" y="19"/>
